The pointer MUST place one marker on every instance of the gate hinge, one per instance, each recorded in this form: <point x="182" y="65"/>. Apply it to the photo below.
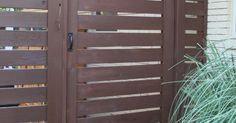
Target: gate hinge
<point x="70" y="41"/>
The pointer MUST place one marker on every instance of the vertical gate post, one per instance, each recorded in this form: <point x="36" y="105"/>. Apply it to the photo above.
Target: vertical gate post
<point x="180" y="30"/>
<point x="56" y="77"/>
<point x="167" y="91"/>
<point x="72" y="68"/>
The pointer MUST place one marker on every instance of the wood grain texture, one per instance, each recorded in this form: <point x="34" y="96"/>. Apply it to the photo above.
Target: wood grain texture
<point x="15" y="57"/>
<point x="170" y="25"/>
<point x="140" y="6"/>
<point x="23" y="19"/>
<point x="119" y="22"/>
<point x="29" y="4"/>
<point x="118" y="73"/>
<point x="22" y="95"/>
<point x="57" y="61"/>
<point x="194" y="24"/>
<point x="23" y="114"/>
<point x="119" y="104"/>
<point x="194" y="8"/>
<point x="194" y="52"/>
<point x="118" y="39"/>
<point x="119" y="88"/>
<point x="117" y="56"/>
<point x="23" y="76"/>
<point x="194" y="39"/>
<point x="23" y="38"/>
<point x="141" y="117"/>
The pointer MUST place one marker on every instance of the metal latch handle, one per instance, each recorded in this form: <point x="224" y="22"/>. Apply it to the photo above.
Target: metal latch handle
<point x="70" y="41"/>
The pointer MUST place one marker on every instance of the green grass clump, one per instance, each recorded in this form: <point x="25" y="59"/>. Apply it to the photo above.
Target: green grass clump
<point x="208" y="93"/>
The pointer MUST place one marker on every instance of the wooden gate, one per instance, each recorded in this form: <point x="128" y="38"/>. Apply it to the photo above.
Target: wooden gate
<point x="119" y="55"/>
<point x="23" y="61"/>
<point x="94" y="61"/>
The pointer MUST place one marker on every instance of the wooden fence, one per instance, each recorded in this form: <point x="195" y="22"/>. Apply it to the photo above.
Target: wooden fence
<point x="95" y="61"/>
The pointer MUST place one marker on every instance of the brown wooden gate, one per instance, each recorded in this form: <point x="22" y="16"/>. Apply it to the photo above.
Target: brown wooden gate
<point x="94" y="61"/>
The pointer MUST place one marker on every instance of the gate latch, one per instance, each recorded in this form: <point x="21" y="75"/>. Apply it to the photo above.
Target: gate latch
<point x="70" y="41"/>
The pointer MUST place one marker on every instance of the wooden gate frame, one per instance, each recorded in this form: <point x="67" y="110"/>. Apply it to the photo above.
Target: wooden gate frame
<point x="61" y="111"/>
<point x="57" y="61"/>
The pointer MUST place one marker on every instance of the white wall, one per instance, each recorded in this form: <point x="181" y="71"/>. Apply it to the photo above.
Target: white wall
<point x="220" y="23"/>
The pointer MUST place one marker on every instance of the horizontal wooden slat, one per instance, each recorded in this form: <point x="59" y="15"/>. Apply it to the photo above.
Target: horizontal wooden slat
<point x="119" y="104"/>
<point x="195" y="8"/>
<point x="194" y="39"/>
<point x="23" y="76"/>
<point x="194" y="24"/>
<point x="119" y="88"/>
<point x="23" y="38"/>
<point x="31" y="4"/>
<point x="23" y="19"/>
<point x="141" y="117"/>
<point x="139" y="6"/>
<point x="119" y="39"/>
<point x="22" y="58"/>
<point x="195" y="1"/>
<point x="23" y="114"/>
<point x="22" y="95"/>
<point x="194" y="52"/>
<point x="188" y="67"/>
<point x="115" y="56"/>
<point x="117" y="73"/>
<point x="119" y="22"/>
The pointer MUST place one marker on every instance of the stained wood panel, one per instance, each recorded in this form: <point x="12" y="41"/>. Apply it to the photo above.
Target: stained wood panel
<point x="194" y="52"/>
<point x="194" y="39"/>
<point x="23" y="19"/>
<point x="22" y="95"/>
<point x="22" y="114"/>
<point x="118" y="88"/>
<point x="115" y="56"/>
<point x="119" y="22"/>
<point x="194" y="24"/>
<point x="23" y="58"/>
<point x="120" y="104"/>
<point x="115" y="38"/>
<point x="141" y="117"/>
<point x="31" y="4"/>
<point x="197" y="23"/>
<point x="23" y="71"/>
<point x="23" y="38"/>
<point x="118" y="73"/>
<point x="118" y="39"/>
<point x="195" y="8"/>
<point x="23" y="76"/>
<point x="129" y="49"/>
<point x="140" y="6"/>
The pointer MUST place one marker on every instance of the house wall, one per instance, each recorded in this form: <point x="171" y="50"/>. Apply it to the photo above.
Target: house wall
<point x="220" y="23"/>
